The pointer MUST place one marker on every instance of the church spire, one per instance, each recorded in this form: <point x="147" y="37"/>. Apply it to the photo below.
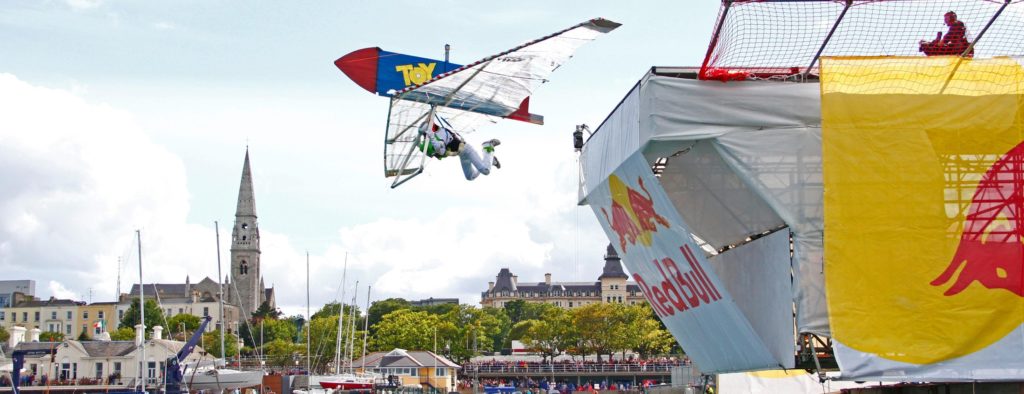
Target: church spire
<point x="246" y="197"/>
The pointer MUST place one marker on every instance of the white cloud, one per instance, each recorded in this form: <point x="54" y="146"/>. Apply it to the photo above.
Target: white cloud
<point x="84" y="4"/>
<point x="163" y="25"/>
<point x="58" y="290"/>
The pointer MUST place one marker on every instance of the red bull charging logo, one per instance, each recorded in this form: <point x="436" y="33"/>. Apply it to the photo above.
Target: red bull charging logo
<point x="991" y="249"/>
<point x="633" y="216"/>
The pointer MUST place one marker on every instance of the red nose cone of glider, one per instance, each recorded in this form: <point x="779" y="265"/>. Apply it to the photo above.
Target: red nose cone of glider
<point x="361" y="67"/>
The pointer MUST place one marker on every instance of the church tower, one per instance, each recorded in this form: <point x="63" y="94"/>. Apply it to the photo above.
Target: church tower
<point x="245" y="248"/>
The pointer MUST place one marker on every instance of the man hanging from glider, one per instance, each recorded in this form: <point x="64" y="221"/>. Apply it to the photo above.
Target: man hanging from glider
<point x="434" y="103"/>
<point x="953" y="43"/>
<point x="441" y="141"/>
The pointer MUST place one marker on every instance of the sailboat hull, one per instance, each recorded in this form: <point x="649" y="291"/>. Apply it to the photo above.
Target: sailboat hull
<point x="224" y="379"/>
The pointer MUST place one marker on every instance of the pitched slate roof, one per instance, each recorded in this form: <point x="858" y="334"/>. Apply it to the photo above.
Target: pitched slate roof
<point x="108" y="348"/>
<point x="400" y="358"/>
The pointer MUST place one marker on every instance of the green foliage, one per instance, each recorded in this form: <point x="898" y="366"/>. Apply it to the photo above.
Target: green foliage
<point x="50" y="336"/>
<point x="598" y="329"/>
<point x="383" y="307"/>
<point x="123" y="334"/>
<point x="264" y="311"/>
<point x="324" y="340"/>
<point x="282" y="353"/>
<point x="211" y="343"/>
<point x="645" y="333"/>
<point x="4" y="335"/>
<point x="552" y="333"/>
<point x="182" y="324"/>
<point x="272" y="329"/>
<point x="333" y="308"/>
<point x="406" y="329"/>
<point x="84" y="336"/>
<point x="154" y="315"/>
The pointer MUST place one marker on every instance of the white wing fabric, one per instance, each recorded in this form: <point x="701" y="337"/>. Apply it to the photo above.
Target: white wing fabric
<point x="478" y="93"/>
<point x="497" y="85"/>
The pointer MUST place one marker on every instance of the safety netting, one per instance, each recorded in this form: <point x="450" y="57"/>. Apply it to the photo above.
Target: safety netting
<point x="784" y="38"/>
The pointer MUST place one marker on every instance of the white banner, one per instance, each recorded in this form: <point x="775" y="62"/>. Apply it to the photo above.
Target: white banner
<point x="673" y="272"/>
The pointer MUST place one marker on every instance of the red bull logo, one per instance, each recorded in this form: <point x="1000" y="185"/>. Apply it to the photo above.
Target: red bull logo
<point x="633" y="216"/>
<point x="991" y="249"/>
<point x="678" y="291"/>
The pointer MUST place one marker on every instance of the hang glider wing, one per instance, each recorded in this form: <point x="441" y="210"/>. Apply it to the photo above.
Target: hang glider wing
<point x="482" y="92"/>
<point x="500" y="85"/>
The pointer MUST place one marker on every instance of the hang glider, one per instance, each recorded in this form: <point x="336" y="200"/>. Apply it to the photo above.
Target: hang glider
<point x="468" y="96"/>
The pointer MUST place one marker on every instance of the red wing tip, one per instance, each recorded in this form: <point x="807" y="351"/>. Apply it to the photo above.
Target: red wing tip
<point x="361" y="67"/>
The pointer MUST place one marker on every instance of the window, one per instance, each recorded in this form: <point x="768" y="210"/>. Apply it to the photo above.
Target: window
<point x="1" y="315"/>
<point x="14" y="317"/>
<point x="67" y="329"/>
<point x="70" y="315"/>
<point x="53" y="315"/>
<point x="85" y="314"/>
<point x="440" y="371"/>
<point x="243" y="268"/>
<point x="24" y="316"/>
<point x="570" y="304"/>
<point x="99" y="371"/>
<point x="170" y="312"/>
<point x="181" y="310"/>
<point x="96" y="330"/>
<point x="65" y="371"/>
<point x="206" y="311"/>
<point x="117" y="367"/>
<point x="37" y="316"/>
<point x="99" y="314"/>
<point x="120" y="314"/>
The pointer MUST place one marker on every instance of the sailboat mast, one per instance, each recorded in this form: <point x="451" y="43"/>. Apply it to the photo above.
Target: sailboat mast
<point x="220" y="295"/>
<point x="366" y="325"/>
<point x="341" y="322"/>
<point x="308" y="317"/>
<point x="142" y="313"/>
<point x="352" y="327"/>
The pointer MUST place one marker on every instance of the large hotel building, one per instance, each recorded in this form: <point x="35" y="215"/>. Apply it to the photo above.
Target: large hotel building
<point x="612" y="286"/>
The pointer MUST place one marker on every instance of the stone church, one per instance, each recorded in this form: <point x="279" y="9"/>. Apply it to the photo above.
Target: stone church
<point x="244" y="288"/>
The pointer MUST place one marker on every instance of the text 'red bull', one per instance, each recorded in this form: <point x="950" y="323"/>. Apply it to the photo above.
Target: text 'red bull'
<point x="633" y="215"/>
<point x="678" y="291"/>
<point x="991" y="249"/>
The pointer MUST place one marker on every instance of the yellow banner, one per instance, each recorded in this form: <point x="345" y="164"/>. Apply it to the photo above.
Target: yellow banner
<point x="923" y="174"/>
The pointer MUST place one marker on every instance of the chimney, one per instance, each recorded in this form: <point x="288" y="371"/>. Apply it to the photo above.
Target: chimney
<point x="17" y="336"/>
<point x="139" y="334"/>
<point x="547" y="279"/>
<point x="34" y="334"/>
<point x="158" y="332"/>
<point x="490" y="286"/>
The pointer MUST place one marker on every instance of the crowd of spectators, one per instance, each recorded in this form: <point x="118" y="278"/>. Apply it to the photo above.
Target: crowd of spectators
<point x="528" y="385"/>
<point x="659" y="364"/>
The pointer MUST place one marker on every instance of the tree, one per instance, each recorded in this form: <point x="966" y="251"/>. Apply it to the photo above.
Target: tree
<point x="183" y="323"/>
<point x="551" y="334"/>
<point x="123" y="334"/>
<point x="211" y="343"/>
<point x="383" y="307"/>
<point x="272" y="329"/>
<point x="595" y="325"/>
<point x="264" y="311"/>
<point x="406" y="329"/>
<point x="333" y="308"/>
<point x="282" y="353"/>
<point x="50" y="336"/>
<point x="4" y="335"/>
<point x="646" y="335"/>
<point x="84" y="336"/>
<point x="154" y="315"/>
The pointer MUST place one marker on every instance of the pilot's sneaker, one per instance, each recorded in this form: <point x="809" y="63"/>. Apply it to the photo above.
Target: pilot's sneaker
<point x="497" y="164"/>
<point x="490" y="144"/>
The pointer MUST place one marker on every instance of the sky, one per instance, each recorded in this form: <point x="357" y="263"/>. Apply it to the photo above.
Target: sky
<point x="117" y="116"/>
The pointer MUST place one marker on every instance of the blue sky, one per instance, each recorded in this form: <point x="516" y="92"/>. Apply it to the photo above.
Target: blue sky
<point x="150" y="105"/>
